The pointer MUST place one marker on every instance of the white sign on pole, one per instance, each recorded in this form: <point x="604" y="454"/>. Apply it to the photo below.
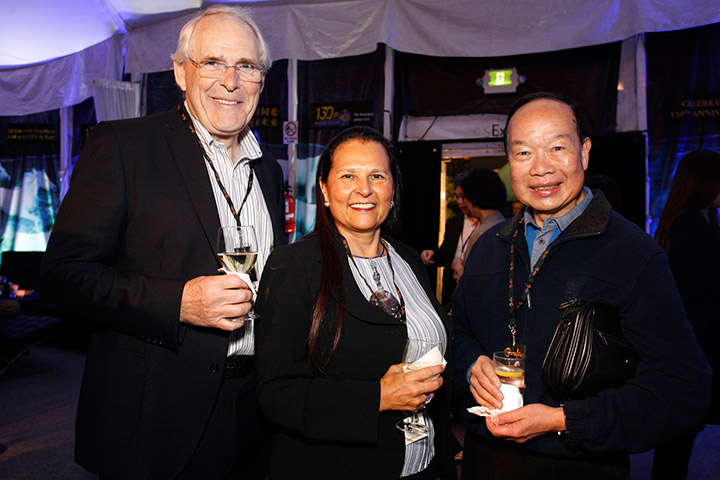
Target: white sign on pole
<point x="290" y="132"/>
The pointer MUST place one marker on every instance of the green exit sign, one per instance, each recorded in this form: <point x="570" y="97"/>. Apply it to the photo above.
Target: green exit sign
<point x="501" y="80"/>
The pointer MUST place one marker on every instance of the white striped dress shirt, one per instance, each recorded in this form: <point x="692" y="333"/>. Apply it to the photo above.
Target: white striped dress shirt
<point x="234" y="176"/>
<point x="423" y="322"/>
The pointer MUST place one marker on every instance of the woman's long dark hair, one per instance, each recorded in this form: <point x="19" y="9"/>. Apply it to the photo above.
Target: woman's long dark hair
<point x="695" y="186"/>
<point x="328" y="235"/>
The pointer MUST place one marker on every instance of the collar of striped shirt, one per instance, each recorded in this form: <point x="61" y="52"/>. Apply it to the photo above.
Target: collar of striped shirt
<point x="249" y="145"/>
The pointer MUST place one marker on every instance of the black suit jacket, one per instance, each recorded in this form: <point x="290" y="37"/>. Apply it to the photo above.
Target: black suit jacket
<point x="445" y="254"/>
<point x="330" y="428"/>
<point x="138" y="222"/>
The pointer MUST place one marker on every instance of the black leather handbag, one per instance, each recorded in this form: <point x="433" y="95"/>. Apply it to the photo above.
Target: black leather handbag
<point x="588" y="352"/>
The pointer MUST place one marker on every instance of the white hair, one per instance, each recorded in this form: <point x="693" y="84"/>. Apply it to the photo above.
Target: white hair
<point x="182" y="53"/>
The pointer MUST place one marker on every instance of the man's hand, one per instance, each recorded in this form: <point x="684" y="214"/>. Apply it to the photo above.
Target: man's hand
<point x="210" y="301"/>
<point x="426" y="256"/>
<point x="485" y="384"/>
<point x="527" y="422"/>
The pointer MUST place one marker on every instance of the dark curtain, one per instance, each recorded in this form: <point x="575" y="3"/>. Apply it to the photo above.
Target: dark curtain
<point x="332" y="94"/>
<point x="429" y="86"/>
<point x="683" y="71"/>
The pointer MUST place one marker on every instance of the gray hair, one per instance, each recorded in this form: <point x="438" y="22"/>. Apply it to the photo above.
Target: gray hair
<point x="182" y="53"/>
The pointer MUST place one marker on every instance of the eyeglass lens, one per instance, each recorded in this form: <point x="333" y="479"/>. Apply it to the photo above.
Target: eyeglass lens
<point x="217" y="69"/>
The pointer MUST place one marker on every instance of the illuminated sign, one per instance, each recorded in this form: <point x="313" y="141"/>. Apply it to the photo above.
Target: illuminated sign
<point x="505" y="80"/>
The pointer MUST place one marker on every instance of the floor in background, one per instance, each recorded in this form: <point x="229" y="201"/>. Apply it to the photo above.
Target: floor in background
<point x="37" y="416"/>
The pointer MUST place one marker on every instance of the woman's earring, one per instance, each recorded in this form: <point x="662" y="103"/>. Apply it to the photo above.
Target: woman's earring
<point x="327" y="204"/>
<point x="392" y="204"/>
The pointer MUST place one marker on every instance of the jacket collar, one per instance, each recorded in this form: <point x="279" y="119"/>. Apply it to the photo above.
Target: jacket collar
<point x="188" y="157"/>
<point x="593" y="221"/>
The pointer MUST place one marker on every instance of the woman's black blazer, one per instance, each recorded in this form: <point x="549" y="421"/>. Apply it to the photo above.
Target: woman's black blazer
<point x="328" y="427"/>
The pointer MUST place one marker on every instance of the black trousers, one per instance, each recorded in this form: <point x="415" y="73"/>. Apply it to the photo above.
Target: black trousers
<point x="235" y="442"/>
<point x="672" y="459"/>
<point x="502" y="460"/>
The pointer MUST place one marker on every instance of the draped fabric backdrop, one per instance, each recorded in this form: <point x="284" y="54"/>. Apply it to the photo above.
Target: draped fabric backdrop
<point x="683" y="70"/>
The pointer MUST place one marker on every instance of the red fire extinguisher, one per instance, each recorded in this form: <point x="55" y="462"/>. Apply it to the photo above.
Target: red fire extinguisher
<point x="289" y="213"/>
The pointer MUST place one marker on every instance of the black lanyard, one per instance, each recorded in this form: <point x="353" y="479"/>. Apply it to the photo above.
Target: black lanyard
<point x="236" y="214"/>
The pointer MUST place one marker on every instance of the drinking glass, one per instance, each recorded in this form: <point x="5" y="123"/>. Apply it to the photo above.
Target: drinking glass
<point x="237" y="248"/>
<point x="510" y="369"/>
<point x="414" y="350"/>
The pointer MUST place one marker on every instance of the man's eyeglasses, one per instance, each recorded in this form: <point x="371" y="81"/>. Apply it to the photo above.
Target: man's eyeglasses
<point x="248" y="72"/>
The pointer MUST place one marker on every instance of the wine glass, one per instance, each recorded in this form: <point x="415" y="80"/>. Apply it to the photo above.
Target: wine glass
<point x="414" y="350"/>
<point x="237" y="252"/>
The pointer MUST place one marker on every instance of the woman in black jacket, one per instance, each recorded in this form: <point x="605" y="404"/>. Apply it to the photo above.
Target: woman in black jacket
<point x="336" y="310"/>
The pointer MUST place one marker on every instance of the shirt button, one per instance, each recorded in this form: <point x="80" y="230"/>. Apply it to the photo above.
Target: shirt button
<point x="214" y="367"/>
<point x="541" y="241"/>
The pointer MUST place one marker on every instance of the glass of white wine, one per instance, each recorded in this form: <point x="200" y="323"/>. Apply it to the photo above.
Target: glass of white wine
<point x="237" y="252"/>
<point x="414" y="350"/>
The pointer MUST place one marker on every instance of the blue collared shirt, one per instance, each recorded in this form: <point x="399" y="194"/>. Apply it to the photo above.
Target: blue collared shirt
<point x="539" y="239"/>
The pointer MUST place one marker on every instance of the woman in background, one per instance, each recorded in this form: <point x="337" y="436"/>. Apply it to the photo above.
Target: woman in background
<point x="336" y="309"/>
<point x="689" y="231"/>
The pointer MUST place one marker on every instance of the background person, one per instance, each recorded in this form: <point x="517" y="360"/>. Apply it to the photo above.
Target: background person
<point x="168" y="390"/>
<point x="454" y="244"/>
<point x="689" y="232"/>
<point x="485" y="196"/>
<point x="329" y="359"/>
<point x="568" y="243"/>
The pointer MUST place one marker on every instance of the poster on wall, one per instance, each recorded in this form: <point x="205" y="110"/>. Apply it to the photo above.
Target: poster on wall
<point x="341" y="115"/>
<point x="29" y="192"/>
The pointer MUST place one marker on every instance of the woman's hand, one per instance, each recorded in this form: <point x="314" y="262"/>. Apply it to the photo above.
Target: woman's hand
<point x="408" y="391"/>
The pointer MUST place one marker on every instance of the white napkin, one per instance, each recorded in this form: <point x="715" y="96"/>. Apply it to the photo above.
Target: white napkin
<point x="483" y="411"/>
<point x="245" y="278"/>
<point x="433" y="357"/>
<point x="513" y="399"/>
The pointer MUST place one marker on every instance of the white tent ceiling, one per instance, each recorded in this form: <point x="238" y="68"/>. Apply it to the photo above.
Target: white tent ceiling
<point x="50" y="50"/>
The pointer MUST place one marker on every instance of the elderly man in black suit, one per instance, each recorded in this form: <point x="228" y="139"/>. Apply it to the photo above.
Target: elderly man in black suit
<point x="169" y="383"/>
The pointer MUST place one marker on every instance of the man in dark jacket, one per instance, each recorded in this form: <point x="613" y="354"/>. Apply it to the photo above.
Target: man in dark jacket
<point x="169" y="383"/>
<point x="568" y="243"/>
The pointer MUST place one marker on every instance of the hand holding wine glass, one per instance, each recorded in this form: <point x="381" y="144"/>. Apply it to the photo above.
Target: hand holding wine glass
<point x="237" y="252"/>
<point x="414" y="358"/>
